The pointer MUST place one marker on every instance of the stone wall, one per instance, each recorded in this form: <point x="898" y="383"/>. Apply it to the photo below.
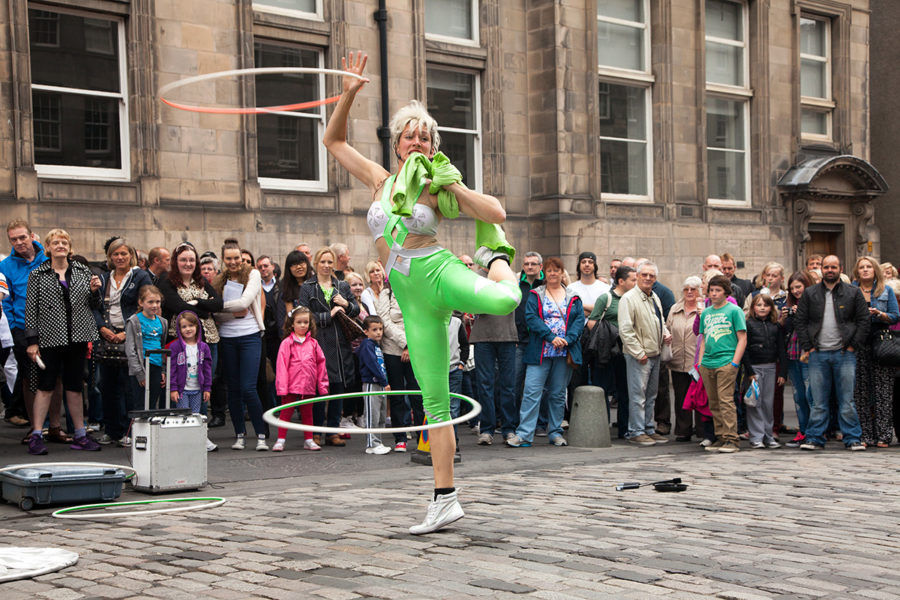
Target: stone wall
<point x="194" y="176"/>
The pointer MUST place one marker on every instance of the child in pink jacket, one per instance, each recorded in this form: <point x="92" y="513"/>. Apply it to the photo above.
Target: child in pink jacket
<point x="300" y="372"/>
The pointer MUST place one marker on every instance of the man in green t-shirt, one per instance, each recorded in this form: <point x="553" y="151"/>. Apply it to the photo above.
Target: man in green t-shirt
<point x="724" y="332"/>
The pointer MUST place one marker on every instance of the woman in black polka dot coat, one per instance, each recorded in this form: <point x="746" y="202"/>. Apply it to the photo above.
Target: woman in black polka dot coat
<point x="59" y="325"/>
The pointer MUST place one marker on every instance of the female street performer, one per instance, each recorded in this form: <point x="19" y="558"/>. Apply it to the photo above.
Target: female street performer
<point x="428" y="281"/>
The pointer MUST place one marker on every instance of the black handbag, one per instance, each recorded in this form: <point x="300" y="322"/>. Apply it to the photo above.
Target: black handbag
<point x="109" y="352"/>
<point x="886" y="348"/>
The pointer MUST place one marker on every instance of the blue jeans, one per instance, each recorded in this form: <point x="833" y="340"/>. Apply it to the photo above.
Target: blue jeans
<point x="553" y="373"/>
<point x="495" y="363"/>
<point x="825" y="367"/>
<point x="240" y="359"/>
<point x="456" y="382"/>
<point x="799" y="374"/>
<point x="643" y="382"/>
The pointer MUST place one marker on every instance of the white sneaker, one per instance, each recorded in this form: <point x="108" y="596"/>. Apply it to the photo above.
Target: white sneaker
<point x="125" y="442"/>
<point x="210" y="447"/>
<point x="379" y="449"/>
<point x="261" y="444"/>
<point x="311" y="445"/>
<point x="238" y="443"/>
<point x="347" y="423"/>
<point x="773" y="444"/>
<point x="485" y="439"/>
<point x="442" y="511"/>
<point x="279" y="446"/>
<point x="105" y="440"/>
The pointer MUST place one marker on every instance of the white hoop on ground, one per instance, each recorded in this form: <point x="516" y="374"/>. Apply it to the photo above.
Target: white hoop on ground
<point x="269" y="110"/>
<point x="270" y="415"/>
<point x="62" y="513"/>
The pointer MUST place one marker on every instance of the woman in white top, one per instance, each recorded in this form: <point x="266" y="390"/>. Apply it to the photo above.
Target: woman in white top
<point x="240" y="340"/>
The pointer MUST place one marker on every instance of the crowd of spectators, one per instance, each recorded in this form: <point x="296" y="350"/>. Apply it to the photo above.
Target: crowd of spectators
<point x="709" y="365"/>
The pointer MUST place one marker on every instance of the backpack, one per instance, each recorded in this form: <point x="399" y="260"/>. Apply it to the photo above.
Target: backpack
<point x="601" y="343"/>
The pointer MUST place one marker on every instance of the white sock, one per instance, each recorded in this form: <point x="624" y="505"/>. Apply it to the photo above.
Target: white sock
<point x="280" y="441"/>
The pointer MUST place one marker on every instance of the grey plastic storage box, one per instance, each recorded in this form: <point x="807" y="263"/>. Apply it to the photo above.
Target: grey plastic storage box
<point x="32" y="486"/>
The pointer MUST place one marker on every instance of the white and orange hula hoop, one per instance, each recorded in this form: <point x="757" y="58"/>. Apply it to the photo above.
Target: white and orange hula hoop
<point x="282" y="109"/>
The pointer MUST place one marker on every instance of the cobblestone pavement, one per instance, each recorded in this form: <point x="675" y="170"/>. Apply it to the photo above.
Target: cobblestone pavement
<point x="762" y="524"/>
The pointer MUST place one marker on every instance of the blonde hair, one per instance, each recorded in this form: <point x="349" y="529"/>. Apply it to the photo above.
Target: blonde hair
<point x="761" y="278"/>
<point x="416" y="116"/>
<point x="56" y="233"/>
<point x="886" y="265"/>
<point x="320" y="253"/>
<point x="354" y="275"/>
<point x="115" y="245"/>
<point x="371" y="265"/>
<point x="878" y="287"/>
<point x="707" y="275"/>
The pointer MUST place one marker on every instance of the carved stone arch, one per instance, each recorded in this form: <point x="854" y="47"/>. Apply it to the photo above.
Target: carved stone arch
<point x="834" y="190"/>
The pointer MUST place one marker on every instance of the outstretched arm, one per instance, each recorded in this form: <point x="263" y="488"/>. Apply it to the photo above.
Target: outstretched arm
<point x="335" y="140"/>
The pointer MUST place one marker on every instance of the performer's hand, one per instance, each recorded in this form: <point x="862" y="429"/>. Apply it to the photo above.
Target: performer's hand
<point x="355" y="62"/>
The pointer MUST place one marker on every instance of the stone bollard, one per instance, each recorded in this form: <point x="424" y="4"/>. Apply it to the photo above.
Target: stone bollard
<point x="589" y="425"/>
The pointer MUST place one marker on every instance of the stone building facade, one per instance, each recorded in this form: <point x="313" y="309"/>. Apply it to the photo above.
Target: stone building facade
<point x="885" y="78"/>
<point x="661" y="128"/>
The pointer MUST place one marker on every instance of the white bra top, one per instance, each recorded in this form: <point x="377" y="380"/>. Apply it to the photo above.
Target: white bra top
<point x="423" y="220"/>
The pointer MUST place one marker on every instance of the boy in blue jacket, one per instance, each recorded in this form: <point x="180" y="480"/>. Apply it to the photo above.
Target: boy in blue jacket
<point x="374" y="380"/>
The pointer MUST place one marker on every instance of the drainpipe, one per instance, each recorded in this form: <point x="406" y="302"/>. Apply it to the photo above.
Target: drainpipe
<point x="384" y="132"/>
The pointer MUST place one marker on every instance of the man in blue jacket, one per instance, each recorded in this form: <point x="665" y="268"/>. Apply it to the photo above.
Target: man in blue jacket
<point x="27" y="254"/>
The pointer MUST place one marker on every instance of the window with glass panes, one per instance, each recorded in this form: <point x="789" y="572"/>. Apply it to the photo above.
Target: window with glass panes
<point x="454" y="102"/>
<point x="623" y="64"/>
<point x="78" y="95"/>
<point x="453" y="19"/>
<point x="727" y="101"/>
<point x="815" y="77"/>
<point x="301" y="8"/>
<point x="289" y="146"/>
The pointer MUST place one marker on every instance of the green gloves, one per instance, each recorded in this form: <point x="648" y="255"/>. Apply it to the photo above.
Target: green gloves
<point x="409" y="184"/>
<point x="441" y="172"/>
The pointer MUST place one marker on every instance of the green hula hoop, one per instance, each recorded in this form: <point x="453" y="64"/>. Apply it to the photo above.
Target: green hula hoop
<point x="63" y="513"/>
<point x="270" y="415"/>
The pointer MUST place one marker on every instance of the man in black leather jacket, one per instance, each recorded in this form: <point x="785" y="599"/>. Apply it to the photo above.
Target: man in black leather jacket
<point x="832" y="320"/>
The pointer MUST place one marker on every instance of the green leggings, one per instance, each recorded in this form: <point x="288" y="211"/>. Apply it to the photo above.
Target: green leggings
<point x="435" y="287"/>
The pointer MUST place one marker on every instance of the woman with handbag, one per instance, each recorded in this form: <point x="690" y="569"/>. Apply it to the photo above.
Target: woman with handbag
<point x="240" y="341"/>
<point x="684" y="349"/>
<point x="118" y="302"/>
<point x="613" y="377"/>
<point x="330" y="300"/>
<point x="874" y="389"/>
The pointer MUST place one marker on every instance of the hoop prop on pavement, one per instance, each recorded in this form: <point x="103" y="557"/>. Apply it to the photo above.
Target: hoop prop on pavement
<point x="283" y="109"/>
<point x="270" y="416"/>
<point x="64" y="513"/>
